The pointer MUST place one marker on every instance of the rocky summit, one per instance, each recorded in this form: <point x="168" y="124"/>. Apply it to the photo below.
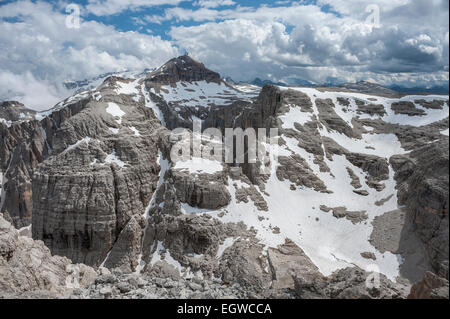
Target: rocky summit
<point x="349" y="198"/>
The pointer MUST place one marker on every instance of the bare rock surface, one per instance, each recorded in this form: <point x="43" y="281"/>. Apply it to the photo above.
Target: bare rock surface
<point x="341" y="212"/>
<point x="407" y="108"/>
<point x="203" y="191"/>
<point x="430" y="287"/>
<point x="435" y="104"/>
<point x="394" y="232"/>
<point x="349" y="283"/>
<point x="423" y="179"/>
<point x="27" y="267"/>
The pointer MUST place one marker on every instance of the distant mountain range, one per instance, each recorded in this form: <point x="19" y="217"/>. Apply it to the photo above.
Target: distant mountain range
<point x="367" y="87"/>
<point x="361" y="86"/>
<point x="443" y="89"/>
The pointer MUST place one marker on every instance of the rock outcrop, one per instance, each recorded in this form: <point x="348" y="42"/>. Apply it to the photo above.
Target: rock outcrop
<point x="349" y="283"/>
<point x="23" y="145"/>
<point x="407" y="108"/>
<point x="423" y="183"/>
<point x="430" y="287"/>
<point x="203" y="190"/>
<point x="28" y="268"/>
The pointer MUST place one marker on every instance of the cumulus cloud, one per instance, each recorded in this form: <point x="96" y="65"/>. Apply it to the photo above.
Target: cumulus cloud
<point x="214" y="3"/>
<point x="304" y="41"/>
<point x="108" y="7"/>
<point x="41" y="52"/>
<point x="34" y="93"/>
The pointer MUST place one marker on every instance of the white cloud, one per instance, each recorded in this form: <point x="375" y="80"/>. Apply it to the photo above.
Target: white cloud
<point x="109" y="7"/>
<point x="32" y="92"/>
<point x="40" y="50"/>
<point x="304" y="41"/>
<point x="214" y="3"/>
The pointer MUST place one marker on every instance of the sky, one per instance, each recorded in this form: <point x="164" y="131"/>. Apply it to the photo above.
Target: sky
<point x="44" y="43"/>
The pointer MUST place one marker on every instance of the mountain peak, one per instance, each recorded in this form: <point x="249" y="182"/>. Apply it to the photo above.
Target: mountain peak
<point x="184" y="68"/>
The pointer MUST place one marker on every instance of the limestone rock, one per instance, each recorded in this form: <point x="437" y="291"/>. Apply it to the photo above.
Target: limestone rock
<point x="287" y="262"/>
<point x="204" y="191"/>
<point x="26" y="266"/>
<point x="408" y="108"/>
<point x="430" y="287"/>
<point x="349" y="283"/>
<point x="423" y="179"/>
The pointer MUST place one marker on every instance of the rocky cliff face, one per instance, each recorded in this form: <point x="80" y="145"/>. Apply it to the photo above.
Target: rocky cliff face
<point x="430" y="287"/>
<point x="27" y="141"/>
<point x="423" y="178"/>
<point x="102" y="172"/>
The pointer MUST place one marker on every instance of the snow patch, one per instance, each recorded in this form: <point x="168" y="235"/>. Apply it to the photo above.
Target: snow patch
<point x="112" y="158"/>
<point x="113" y="130"/>
<point x="226" y="244"/>
<point x="73" y="146"/>
<point x="295" y="115"/>
<point x="135" y="131"/>
<point x="202" y="94"/>
<point x="151" y="105"/>
<point x="199" y="165"/>
<point x="115" y="111"/>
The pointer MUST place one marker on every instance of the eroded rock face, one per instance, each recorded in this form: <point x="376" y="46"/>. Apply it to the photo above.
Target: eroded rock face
<point x="101" y="174"/>
<point x="288" y="262"/>
<point x="435" y="104"/>
<point x="249" y="192"/>
<point x="26" y="266"/>
<point x="430" y="287"/>
<point x="423" y="179"/>
<point x="24" y="144"/>
<point x="203" y="190"/>
<point x="296" y="170"/>
<point x="22" y="147"/>
<point x="330" y="119"/>
<point x="407" y="108"/>
<point x="125" y="251"/>
<point x="243" y="263"/>
<point x="371" y="109"/>
<point x="243" y="114"/>
<point x="12" y="111"/>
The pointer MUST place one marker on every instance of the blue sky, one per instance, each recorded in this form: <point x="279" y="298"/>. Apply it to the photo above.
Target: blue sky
<point x="402" y="42"/>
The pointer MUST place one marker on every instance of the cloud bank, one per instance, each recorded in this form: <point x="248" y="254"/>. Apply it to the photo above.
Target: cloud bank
<point x="40" y="52"/>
